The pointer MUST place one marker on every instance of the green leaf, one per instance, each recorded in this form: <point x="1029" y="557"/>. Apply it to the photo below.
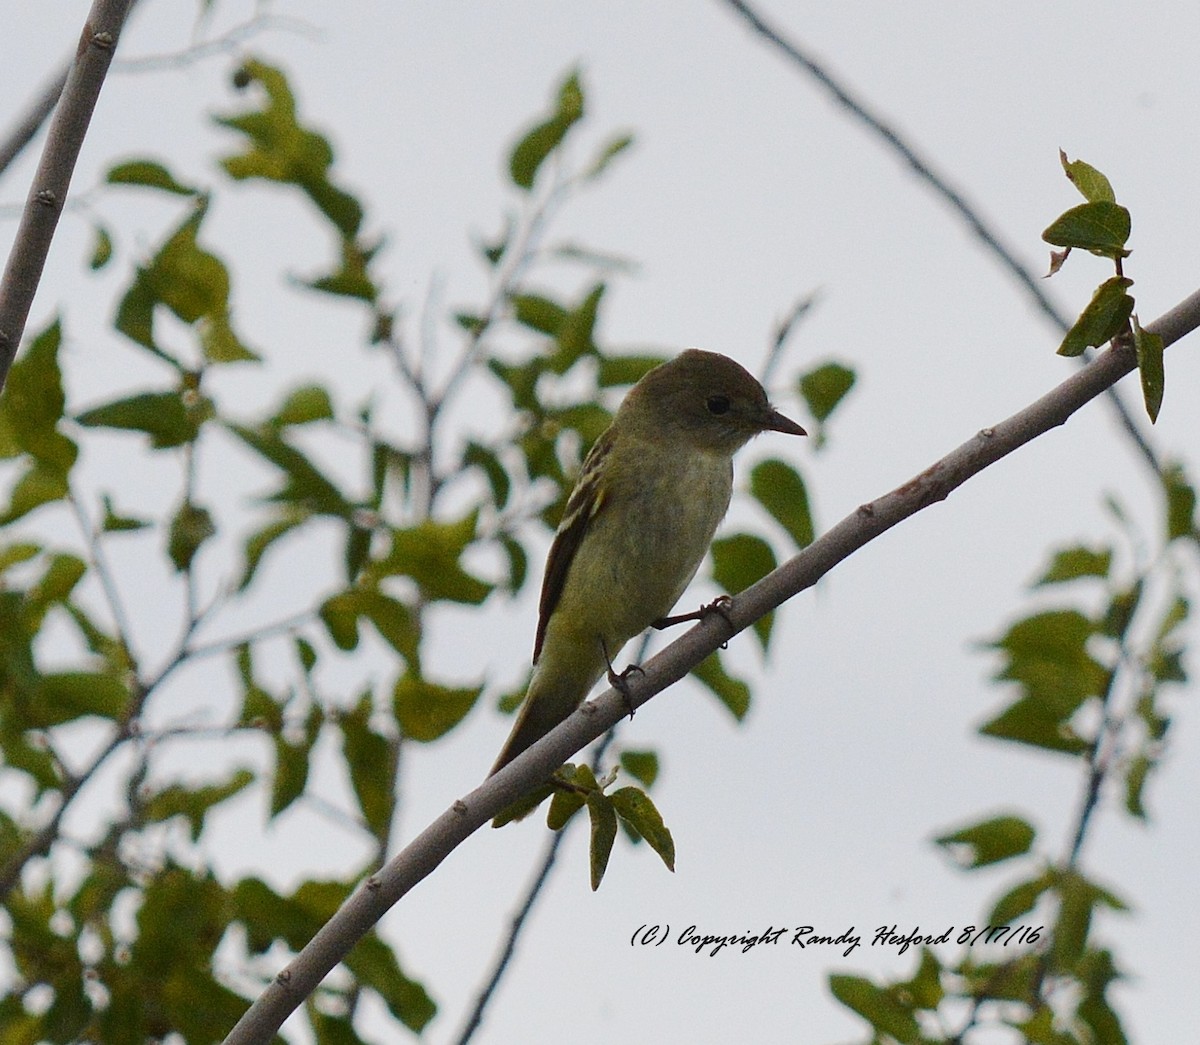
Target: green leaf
<point x="537" y="144"/>
<point x="1078" y="561"/>
<point x="1029" y="721"/>
<point x="114" y="522"/>
<point x="219" y="343"/>
<point x="303" y="406"/>
<point x="574" y="335"/>
<point x="36" y="487"/>
<point x="1077" y="901"/>
<point x="258" y="543"/>
<point x="373" y="964"/>
<point x="1149" y="348"/>
<point x="638" y="812"/>
<point x="518" y="562"/>
<point x="780" y="490"/>
<point x="740" y="561"/>
<point x="878" y="1007"/>
<point x="306" y="487"/>
<point x="13" y="554"/>
<point x="427" y="711"/>
<point x="1102" y="227"/>
<point x="604" y="832"/>
<point x="292" y="764"/>
<point x="824" y="387"/>
<point x="641" y="765"/>
<point x="538" y="313"/>
<point x="191" y="283"/>
<point x="392" y="619"/>
<point x="190" y="528"/>
<point x="478" y="456"/>
<point x="149" y="174"/>
<point x="352" y="278"/>
<point x="925" y="987"/>
<point x="733" y="693"/>
<point x="1047" y="654"/>
<point x="32" y="407"/>
<point x="524" y="805"/>
<point x="564" y="804"/>
<point x="63" y="572"/>
<point x="1104" y="318"/>
<point x="988" y="842"/>
<point x="102" y="248"/>
<point x="1093" y="185"/>
<point x="71" y="695"/>
<point x="371" y="763"/>
<point x="1181" y="502"/>
<point x="1021" y="899"/>
<point x="280" y="149"/>
<point x="1136" y="773"/>
<point x="194" y="803"/>
<point x="611" y="150"/>
<point x="429" y="554"/>
<point x="161" y="415"/>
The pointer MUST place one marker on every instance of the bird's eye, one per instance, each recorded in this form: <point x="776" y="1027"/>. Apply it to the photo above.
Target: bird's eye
<point x="718" y="405"/>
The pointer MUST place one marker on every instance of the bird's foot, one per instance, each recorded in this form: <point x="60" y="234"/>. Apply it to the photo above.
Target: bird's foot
<point x="719" y="605"/>
<point x="619" y="680"/>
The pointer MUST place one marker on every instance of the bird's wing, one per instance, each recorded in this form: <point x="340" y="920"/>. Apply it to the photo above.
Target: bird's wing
<point x="585" y="502"/>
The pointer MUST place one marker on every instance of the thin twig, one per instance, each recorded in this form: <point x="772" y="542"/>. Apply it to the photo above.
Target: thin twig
<point x="925" y="170"/>
<point x="53" y="178"/>
<point x="222" y="44"/>
<point x="535" y="889"/>
<point x="108" y="582"/>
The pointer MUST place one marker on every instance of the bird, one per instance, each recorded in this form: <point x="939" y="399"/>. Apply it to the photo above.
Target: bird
<point x="651" y="493"/>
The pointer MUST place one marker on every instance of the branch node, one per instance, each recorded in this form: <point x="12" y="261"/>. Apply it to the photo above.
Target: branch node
<point x="587" y="708"/>
<point x="986" y="433"/>
<point x="284" y="978"/>
<point x="104" y="41"/>
<point x="373" y="884"/>
<point x="867" y="511"/>
<point x="460" y="807"/>
<point x="46" y="197"/>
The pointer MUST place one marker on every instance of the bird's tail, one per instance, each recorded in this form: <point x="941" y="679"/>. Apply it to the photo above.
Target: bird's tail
<point x="554" y="692"/>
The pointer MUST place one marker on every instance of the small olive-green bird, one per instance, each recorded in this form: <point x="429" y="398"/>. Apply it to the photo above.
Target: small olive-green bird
<point x="652" y="492"/>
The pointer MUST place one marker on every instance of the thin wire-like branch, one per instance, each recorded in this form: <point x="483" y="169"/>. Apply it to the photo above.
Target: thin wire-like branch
<point x="31" y="122"/>
<point x="925" y="170"/>
<point x="108" y="582"/>
<point x="510" y="944"/>
<point x="223" y="44"/>
<point x="425" y="853"/>
<point x="53" y="178"/>
<point x="224" y="645"/>
<point x="535" y="890"/>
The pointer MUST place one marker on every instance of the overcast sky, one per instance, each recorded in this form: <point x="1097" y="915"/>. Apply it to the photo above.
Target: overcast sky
<point x="746" y="189"/>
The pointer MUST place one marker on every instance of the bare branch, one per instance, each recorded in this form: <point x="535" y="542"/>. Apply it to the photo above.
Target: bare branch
<point x="38" y="113"/>
<point x="53" y="178"/>
<point x="425" y="853"/>
<point x="940" y="183"/>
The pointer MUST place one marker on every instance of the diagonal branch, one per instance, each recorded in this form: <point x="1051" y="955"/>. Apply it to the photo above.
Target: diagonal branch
<point x="48" y="193"/>
<point x="940" y="183"/>
<point x="422" y="856"/>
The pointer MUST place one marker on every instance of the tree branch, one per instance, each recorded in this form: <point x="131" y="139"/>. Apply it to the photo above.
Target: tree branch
<point x="425" y="853"/>
<point x="924" y="169"/>
<point x="53" y="178"/>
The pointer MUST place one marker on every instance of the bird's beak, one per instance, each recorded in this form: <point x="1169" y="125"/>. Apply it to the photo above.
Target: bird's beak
<point x="776" y="422"/>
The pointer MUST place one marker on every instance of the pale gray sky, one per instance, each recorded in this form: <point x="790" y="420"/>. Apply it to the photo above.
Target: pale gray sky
<point x="746" y="189"/>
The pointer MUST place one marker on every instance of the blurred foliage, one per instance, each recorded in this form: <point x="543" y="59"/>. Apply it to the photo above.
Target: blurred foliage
<point x="143" y="939"/>
<point x="1090" y="680"/>
<point x="414" y="535"/>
